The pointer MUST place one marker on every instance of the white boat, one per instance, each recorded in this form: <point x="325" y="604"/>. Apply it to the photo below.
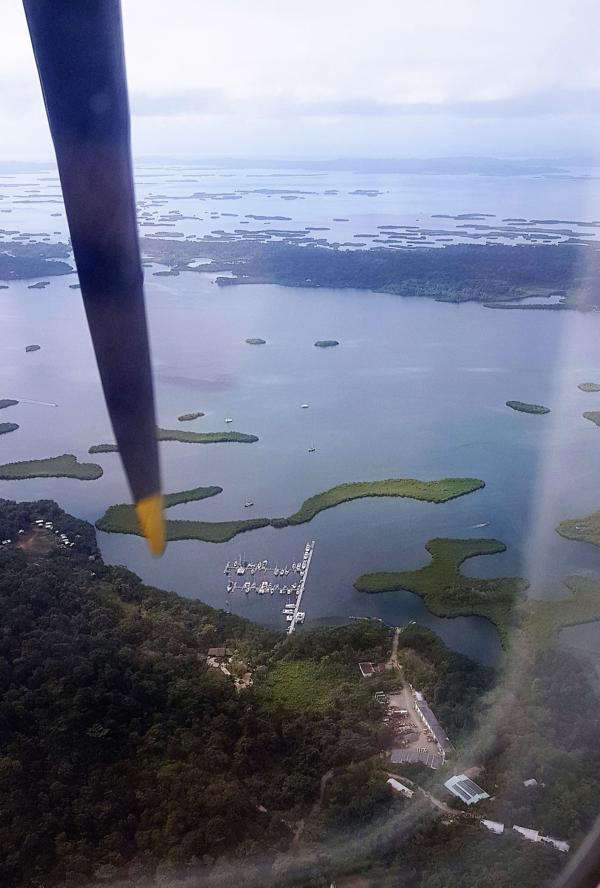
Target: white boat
<point x="300" y="617"/>
<point x="241" y="571"/>
<point x="289" y="618"/>
<point x="304" y="406"/>
<point x="312" y="448"/>
<point x="228" y="419"/>
<point x="286" y="571"/>
<point x="229" y="586"/>
<point x="248" y="503"/>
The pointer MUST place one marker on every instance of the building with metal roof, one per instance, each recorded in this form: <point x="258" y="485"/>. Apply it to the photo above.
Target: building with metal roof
<point x="411" y="756"/>
<point x="432" y="724"/>
<point x="466" y="789"/>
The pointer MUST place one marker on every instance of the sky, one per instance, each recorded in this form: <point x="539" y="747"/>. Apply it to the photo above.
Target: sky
<point x="338" y="78"/>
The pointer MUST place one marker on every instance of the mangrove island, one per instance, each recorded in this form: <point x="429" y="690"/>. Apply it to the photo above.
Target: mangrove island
<point x="64" y="466"/>
<point x="186" y="438"/>
<point x="447" y="592"/>
<point x="121" y="518"/>
<point x="522" y="407"/>
<point x="188" y="417"/>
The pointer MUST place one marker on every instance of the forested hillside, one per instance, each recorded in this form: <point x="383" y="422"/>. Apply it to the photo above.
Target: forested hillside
<point x="127" y="758"/>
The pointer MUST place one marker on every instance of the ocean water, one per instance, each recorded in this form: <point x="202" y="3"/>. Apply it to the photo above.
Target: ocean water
<point x="415" y="389"/>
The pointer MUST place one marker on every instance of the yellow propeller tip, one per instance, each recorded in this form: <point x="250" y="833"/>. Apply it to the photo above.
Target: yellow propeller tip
<point x="151" y="519"/>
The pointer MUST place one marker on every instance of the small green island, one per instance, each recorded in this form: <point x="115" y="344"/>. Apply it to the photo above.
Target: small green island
<point x="6" y="427"/>
<point x="7" y="402"/>
<point x="188" y="417"/>
<point x="186" y="438"/>
<point x="447" y="592"/>
<point x="121" y="518"/>
<point x="255" y="340"/>
<point x="326" y="343"/>
<point x="428" y="491"/>
<point x="64" y="466"/>
<point x="522" y="407"/>
<point x="589" y="387"/>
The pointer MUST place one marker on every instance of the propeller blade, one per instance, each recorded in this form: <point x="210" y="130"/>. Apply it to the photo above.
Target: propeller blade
<point x="79" y="53"/>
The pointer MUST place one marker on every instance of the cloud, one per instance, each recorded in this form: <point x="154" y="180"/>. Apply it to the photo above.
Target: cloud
<point x="191" y="101"/>
<point x="548" y="103"/>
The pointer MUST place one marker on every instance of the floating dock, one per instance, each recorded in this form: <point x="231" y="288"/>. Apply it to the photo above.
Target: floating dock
<point x="292" y="583"/>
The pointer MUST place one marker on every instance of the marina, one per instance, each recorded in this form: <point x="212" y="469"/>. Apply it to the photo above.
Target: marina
<point x="263" y="581"/>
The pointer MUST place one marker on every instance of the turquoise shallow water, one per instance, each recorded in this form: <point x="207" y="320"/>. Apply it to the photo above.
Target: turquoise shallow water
<point x="415" y="389"/>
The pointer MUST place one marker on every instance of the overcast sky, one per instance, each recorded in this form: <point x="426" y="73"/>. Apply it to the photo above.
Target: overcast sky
<point x="318" y="78"/>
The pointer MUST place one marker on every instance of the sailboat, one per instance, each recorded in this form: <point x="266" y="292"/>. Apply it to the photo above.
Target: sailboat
<point x="248" y="503"/>
<point x="312" y="448"/>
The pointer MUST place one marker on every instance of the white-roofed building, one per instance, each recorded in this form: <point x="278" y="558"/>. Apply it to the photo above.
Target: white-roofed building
<point x="396" y="786"/>
<point x="493" y="826"/>
<point x="532" y="835"/>
<point x="557" y="843"/>
<point x="466" y="789"/>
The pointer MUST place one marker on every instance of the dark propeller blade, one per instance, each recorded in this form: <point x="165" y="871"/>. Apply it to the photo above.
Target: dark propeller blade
<point x="79" y="53"/>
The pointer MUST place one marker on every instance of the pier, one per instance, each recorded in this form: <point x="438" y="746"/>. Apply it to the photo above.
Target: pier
<point x="292" y="583"/>
<point x="297" y="611"/>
